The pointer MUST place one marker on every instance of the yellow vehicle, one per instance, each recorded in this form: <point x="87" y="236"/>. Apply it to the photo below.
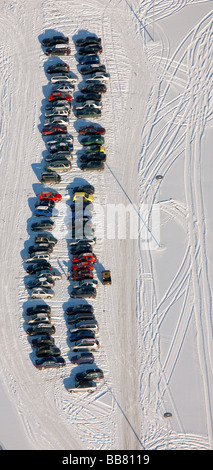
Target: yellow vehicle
<point x="85" y="196"/>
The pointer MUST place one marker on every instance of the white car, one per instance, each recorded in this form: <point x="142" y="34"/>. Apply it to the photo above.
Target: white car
<point x="86" y="343"/>
<point x="84" y="324"/>
<point x="63" y="77"/>
<point x="38" y="317"/>
<point x="91" y="103"/>
<point x="48" y="275"/>
<point x="64" y="87"/>
<point x="56" y="120"/>
<point x="57" y="112"/>
<point x="86" y="282"/>
<point x="42" y="293"/>
<point x="99" y="76"/>
<point x="38" y="255"/>
<point x="83" y="386"/>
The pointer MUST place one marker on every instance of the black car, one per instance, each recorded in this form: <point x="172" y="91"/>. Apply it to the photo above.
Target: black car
<point x="85" y="248"/>
<point x="82" y="97"/>
<point x="43" y="340"/>
<point x="87" y="157"/>
<point x="88" y="112"/>
<point x="87" y="188"/>
<point x="48" y="362"/>
<point x="88" y="69"/>
<point x="82" y="334"/>
<point x="58" y="67"/>
<point x="38" y="308"/>
<point x="84" y="292"/>
<point x="82" y="358"/>
<point x="87" y="40"/>
<point x="60" y="146"/>
<point x="45" y="351"/>
<point x="41" y="329"/>
<point x="92" y="165"/>
<point x="54" y="50"/>
<point x="45" y="202"/>
<point x="52" y="41"/>
<point x="80" y="317"/>
<point x="50" y="177"/>
<point x="73" y="309"/>
<point x="90" y="48"/>
<point x="36" y="266"/>
<point x="40" y="247"/>
<point x="58" y="104"/>
<point x="42" y="225"/>
<point x="90" y="374"/>
<point x="97" y="87"/>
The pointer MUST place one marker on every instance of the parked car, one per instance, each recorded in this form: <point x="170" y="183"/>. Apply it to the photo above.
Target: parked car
<point x="42" y="225"/>
<point x="38" y="265"/>
<point x="59" y="166"/>
<point x="80" y="334"/>
<point x="91" y="104"/>
<point x="43" y="246"/>
<point x="53" y="40"/>
<point x="84" y="324"/>
<point x="86" y="292"/>
<point x="92" y="165"/>
<point x="38" y="318"/>
<point x="83" y="195"/>
<point x="60" y="147"/>
<point x="82" y="97"/>
<point x="60" y="155"/>
<point x="96" y="87"/>
<point x="58" y="50"/>
<point x="82" y="358"/>
<point x="54" y="129"/>
<point x="90" y="374"/>
<point x="86" y="282"/>
<point x="87" y="188"/>
<point x="58" y="104"/>
<point x="48" y="274"/>
<point x="41" y="329"/>
<point x="57" y="112"/>
<point x="42" y="293"/>
<point x="91" y="129"/>
<point x="44" y="339"/>
<point x="47" y="283"/>
<point x="81" y="249"/>
<point x="59" y="95"/>
<point x="58" y="120"/>
<point x="82" y="274"/>
<point x="58" y="68"/>
<point x="48" y="362"/>
<point x="92" y="139"/>
<point x="63" y="77"/>
<point x="82" y="344"/>
<point x="87" y="157"/>
<point x="64" y="87"/>
<point x="43" y="211"/>
<point x="84" y="386"/>
<point x="38" y="308"/>
<point x="78" y="241"/>
<point x="88" y="112"/>
<point x="98" y="75"/>
<point x="73" y="309"/>
<point x="46" y="351"/>
<point x="91" y="68"/>
<point x="91" y="257"/>
<point x="53" y="195"/>
<point x="46" y="238"/>
<point x="89" y="59"/>
<point x="38" y="256"/>
<point x="50" y="177"/>
<point x="53" y="139"/>
<point x="90" y="48"/>
<point x="80" y="317"/>
<point x="87" y="40"/>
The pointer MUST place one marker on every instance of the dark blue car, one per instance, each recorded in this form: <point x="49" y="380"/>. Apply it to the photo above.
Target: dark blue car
<point x="89" y="59"/>
<point x="76" y="335"/>
<point x="83" y="358"/>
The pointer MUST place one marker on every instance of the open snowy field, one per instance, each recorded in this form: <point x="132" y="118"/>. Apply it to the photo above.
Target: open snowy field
<point x="154" y="234"/>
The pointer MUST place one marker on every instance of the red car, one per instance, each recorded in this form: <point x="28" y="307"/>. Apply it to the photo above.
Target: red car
<point x="84" y="257"/>
<point x="50" y="195"/>
<point x="84" y="264"/>
<point x="55" y="129"/>
<point x="57" y="95"/>
<point x="91" y="129"/>
<point x="80" y="275"/>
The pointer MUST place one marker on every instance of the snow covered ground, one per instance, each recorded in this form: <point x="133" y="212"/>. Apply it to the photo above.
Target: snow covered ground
<point x="155" y="319"/>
